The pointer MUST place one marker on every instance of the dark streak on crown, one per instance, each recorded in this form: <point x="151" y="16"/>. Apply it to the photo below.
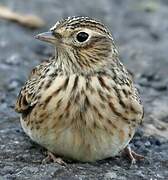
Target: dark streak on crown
<point x="79" y="21"/>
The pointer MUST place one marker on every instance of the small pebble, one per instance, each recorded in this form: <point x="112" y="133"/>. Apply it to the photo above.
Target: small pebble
<point x="110" y="175"/>
<point x="14" y="59"/>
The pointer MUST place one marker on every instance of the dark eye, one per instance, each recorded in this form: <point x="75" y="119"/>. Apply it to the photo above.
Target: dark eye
<point x="82" y="36"/>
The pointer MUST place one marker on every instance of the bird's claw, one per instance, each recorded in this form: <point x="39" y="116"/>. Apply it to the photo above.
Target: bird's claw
<point x="133" y="156"/>
<point x="51" y="157"/>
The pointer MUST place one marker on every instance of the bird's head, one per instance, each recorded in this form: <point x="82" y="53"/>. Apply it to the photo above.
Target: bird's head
<point x="81" y="43"/>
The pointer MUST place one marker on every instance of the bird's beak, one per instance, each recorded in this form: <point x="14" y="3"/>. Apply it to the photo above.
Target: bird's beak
<point x="47" y="37"/>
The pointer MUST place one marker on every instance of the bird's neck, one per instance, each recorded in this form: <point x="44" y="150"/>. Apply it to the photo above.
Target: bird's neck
<point x="71" y="62"/>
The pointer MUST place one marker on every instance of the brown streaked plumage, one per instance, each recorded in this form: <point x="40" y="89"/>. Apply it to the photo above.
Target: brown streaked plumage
<point x="82" y="104"/>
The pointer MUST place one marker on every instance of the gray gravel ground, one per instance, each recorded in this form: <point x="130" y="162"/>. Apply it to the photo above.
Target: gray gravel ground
<point x="140" y="29"/>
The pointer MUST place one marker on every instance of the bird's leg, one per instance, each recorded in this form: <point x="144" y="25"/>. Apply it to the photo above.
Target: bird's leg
<point x="51" y="157"/>
<point x="133" y="156"/>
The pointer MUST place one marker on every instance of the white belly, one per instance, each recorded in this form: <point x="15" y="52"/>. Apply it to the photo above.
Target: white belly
<point x="82" y="145"/>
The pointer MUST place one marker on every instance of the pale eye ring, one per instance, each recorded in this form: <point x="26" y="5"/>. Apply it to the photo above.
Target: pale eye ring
<point x="82" y="36"/>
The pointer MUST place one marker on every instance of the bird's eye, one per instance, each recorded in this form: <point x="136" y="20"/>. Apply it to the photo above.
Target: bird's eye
<point x="82" y="36"/>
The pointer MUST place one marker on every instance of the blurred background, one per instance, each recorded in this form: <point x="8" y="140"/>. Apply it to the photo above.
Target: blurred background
<point x="140" y="30"/>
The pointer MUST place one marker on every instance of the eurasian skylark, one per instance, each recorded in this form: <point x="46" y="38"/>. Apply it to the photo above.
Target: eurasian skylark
<point x="81" y="104"/>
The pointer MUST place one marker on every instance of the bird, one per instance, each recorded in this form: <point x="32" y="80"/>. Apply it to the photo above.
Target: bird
<point x="81" y="104"/>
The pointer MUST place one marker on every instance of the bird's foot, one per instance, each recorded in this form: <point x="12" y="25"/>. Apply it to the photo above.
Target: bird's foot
<point x="52" y="158"/>
<point x="133" y="156"/>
